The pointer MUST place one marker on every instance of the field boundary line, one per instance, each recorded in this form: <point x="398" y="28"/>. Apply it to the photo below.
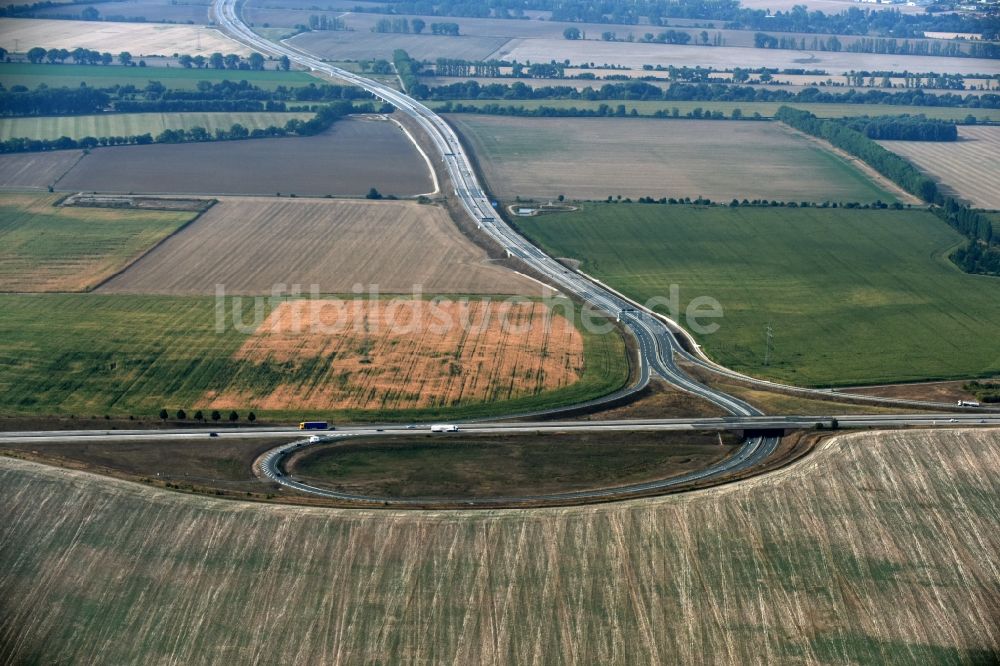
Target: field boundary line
<point x="158" y="243"/>
<point x="427" y="160"/>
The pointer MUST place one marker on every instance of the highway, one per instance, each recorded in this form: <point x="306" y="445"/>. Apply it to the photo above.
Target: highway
<point x="658" y="348"/>
<point x="657" y="344"/>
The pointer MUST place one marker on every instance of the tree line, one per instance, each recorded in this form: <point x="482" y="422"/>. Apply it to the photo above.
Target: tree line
<point x="904" y="128"/>
<point x="973" y="49"/>
<point x="702" y="92"/>
<point x="207" y="96"/>
<point x="324" y="118"/>
<point x="408" y="71"/>
<point x="980" y="254"/>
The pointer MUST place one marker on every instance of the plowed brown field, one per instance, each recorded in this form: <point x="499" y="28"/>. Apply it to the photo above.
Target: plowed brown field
<point x="250" y="245"/>
<point x="407" y="354"/>
<point x="879" y="549"/>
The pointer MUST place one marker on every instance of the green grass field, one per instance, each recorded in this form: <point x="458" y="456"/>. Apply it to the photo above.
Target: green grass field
<point x="765" y="109"/>
<point x="95" y="354"/>
<point x="44" y="248"/>
<point x="852" y="296"/>
<point x="100" y="76"/>
<point x="878" y="549"/>
<point x="134" y="124"/>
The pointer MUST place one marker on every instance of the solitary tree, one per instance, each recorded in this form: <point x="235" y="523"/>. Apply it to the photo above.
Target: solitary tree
<point x="125" y="58"/>
<point x="251" y="417"/>
<point x="216" y="61"/>
<point x="36" y="54"/>
<point x="234" y="417"/>
<point x="198" y="416"/>
<point x="418" y="25"/>
<point x="216" y="415"/>
<point x="181" y="415"/>
<point x="571" y="33"/>
<point x="163" y="415"/>
<point x="256" y="61"/>
<point x="373" y="194"/>
<point x="284" y="63"/>
<point x="90" y="14"/>
<point x="186" y="61"/>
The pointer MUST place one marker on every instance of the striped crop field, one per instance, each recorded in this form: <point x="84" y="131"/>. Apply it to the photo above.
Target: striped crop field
<point x="136" y="124"/>
<point x="880" y="548"/>
<point x="47" y="248"/>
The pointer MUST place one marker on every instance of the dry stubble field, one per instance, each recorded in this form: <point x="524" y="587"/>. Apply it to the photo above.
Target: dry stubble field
<point x="591" y="158"/>
<point x="139" y="39"/>
<point x="881" y="548"/>
<point x="408" y="354"/>
<point x="250" y="245"/>
<point x="968" y="167"/>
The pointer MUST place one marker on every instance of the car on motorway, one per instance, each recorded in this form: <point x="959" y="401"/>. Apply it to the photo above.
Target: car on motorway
<point x="213" y="434"/>
<point x="314" y="439"/>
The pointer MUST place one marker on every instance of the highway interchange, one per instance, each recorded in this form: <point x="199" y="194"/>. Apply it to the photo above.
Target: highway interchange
<point x="658" y="348"/>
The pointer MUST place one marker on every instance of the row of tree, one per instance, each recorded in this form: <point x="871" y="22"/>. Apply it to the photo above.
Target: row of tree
<point x="417" y="26"/>
<point x="215" y="415"/>
<point x="904" y="128"/>
<point x="704" y="92"/>
<point x="324" y="118"/>
<point x="408" y="71"/>
<point x="155" y="97"/>
<point x="972" y="49"/>
<point x="53" y="102"/>
<point x="82" y="56"/>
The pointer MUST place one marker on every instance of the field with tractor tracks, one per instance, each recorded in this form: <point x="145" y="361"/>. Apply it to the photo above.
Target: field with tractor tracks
<point x="251" y="245"/>
<point x="880" y="548"/>
<point x="964" y="167"/>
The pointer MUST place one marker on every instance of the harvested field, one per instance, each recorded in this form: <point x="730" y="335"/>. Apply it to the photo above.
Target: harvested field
<point x="880" y="548"/>
<point x="408" y="354"/>
<point x="139" y="39"/>
<point x="465" y="466"/>
<point x="365" y="45"/>
<point x="250" y="245"/>
<point x="104" y="76"/>
<point x="122" y="355"/>
<point x="539" y="158"/>
<point x="43" y="248"/>
<point x="969" y="167"/>
<point x="134" y="124"/>
<point x="635" y="55"/>
<point x="36" y="171"/>
<point x="347" y="160"/>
